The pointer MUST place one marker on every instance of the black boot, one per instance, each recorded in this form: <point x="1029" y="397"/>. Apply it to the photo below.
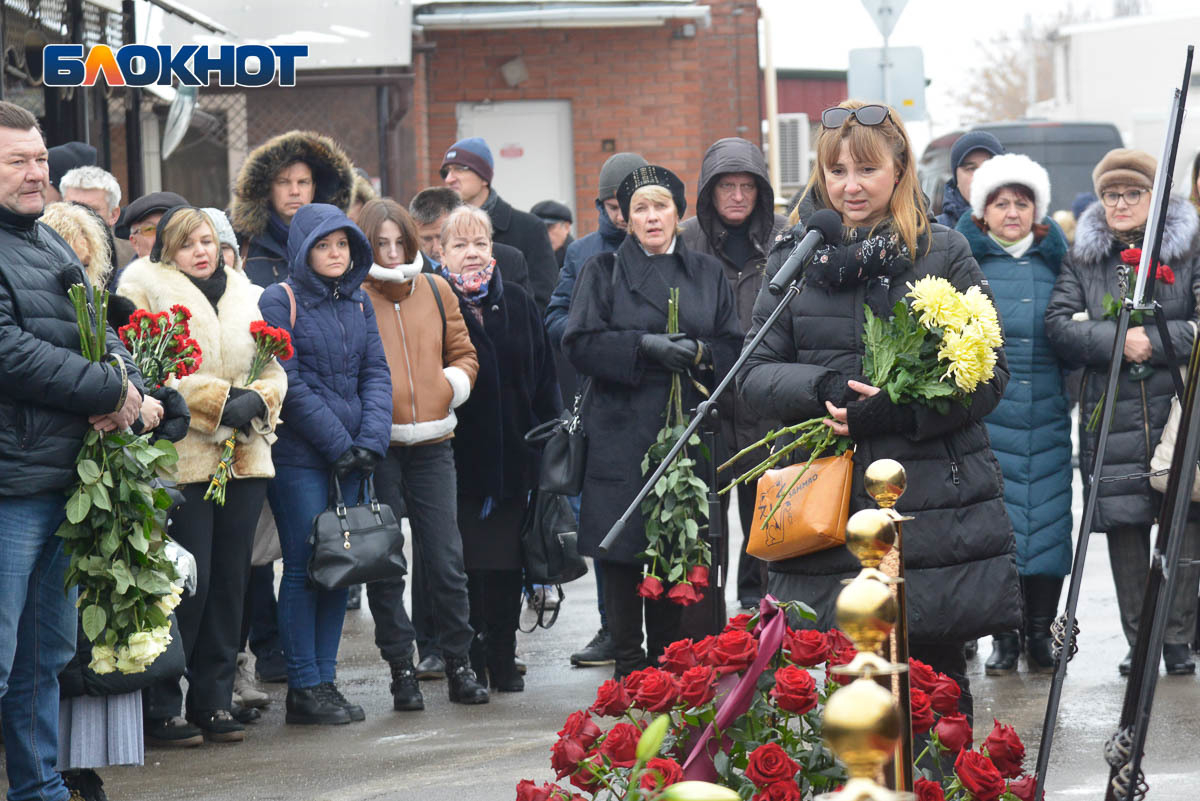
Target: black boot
<point x="306" y="706"/>
<point x="1041" y="606"/>
<point x="406" y="690"/>
<point x="1006" y="650"/>
<point x="502" y="665"/>
<point x="478" y="657"/>
<point x="464" y="686"/>
<point x="332" y="694"/>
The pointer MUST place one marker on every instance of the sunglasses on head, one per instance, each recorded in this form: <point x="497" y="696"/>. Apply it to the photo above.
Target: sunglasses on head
<point x="866" y="115"/>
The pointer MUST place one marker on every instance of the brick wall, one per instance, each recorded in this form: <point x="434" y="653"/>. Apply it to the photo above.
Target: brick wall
<point x="649" y="91"/>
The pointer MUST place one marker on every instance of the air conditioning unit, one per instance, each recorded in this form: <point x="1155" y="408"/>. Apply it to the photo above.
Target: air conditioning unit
<point x="794" y="160"/>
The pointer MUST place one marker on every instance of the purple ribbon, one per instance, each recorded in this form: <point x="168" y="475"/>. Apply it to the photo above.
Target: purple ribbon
<point x="772" y="625"/>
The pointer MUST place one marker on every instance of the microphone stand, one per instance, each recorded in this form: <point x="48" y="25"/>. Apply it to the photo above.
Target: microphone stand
<point x="708" y="415"/>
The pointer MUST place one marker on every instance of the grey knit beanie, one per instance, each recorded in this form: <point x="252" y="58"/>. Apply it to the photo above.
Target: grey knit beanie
<point x="614" y="171"/>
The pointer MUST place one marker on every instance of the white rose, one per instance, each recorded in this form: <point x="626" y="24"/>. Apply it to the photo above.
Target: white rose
<point x="167" y="603"/>
<point x="103" y="660"/>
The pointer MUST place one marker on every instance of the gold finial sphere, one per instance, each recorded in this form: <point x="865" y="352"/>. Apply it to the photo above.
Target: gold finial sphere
<point x="862" y="726"/>
<point x="866" y="610"/>
<point x="885" y="481"/>
<point x="870" y="534"/>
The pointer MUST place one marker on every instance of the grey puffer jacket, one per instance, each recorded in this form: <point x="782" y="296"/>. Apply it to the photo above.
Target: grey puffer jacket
<point x="958" y="551"/>
<point x="1082" y="337"/>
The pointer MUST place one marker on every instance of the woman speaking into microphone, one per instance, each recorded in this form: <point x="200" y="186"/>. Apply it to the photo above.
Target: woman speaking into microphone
<point x="811" y="362"/>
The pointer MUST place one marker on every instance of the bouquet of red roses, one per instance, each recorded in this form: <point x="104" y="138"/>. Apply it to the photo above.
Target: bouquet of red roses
<point x="269" y="343"/>
<point x="161" y="344"/>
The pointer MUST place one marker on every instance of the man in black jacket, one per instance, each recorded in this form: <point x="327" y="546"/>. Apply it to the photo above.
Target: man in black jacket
<point x="467" y="169"/>
<point x="50" y="395"/>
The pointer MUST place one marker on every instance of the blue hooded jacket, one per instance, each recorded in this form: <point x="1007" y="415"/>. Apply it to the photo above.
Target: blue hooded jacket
<point x="339" y="386"/>
<point x="604" y="240"/>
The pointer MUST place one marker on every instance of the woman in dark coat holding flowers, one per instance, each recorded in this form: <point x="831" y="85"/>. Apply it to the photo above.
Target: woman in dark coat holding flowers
<point x="615" y="334"/>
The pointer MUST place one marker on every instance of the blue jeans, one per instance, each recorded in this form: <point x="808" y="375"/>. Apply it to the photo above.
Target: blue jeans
<point x="37" y="639"/>
<point x="310" y="620"/>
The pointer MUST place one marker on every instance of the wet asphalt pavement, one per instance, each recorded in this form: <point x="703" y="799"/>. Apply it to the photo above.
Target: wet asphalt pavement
<point x="455" y="753"/>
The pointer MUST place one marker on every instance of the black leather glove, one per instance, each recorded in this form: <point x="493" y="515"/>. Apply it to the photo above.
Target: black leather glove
<point x="672" y="351"/>
<point x="176" y="418"/>
<point x="242" y="406"/>
<point x="367" y="459"/>
<point x="878" y="415"/>
<point x="346" y="464"/>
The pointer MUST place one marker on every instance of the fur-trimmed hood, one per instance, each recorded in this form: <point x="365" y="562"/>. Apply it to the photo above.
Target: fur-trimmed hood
<point x="332" y="170"/>
<point x="1094" y="240"/>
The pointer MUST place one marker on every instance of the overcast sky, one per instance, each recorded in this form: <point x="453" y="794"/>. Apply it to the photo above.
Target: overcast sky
<point x="820" y="34"/>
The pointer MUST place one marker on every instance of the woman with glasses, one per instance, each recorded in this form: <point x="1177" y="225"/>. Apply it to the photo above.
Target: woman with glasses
<point x="962" y="578"/>
<point x="1081" y="324"/>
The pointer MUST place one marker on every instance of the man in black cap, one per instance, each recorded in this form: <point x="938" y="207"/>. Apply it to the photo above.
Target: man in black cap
<point x="558" y="219"/>
<point x="64" y="158"/>
<point x="968" y="152"/>
<point x="139" y="220"/>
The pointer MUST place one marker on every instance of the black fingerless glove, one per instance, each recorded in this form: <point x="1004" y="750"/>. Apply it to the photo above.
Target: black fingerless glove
<point x="242" y="406"/>
<point x="878" y="415"/>
<point x="832" y="387"/>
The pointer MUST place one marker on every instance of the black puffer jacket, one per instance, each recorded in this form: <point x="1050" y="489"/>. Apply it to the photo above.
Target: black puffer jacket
<point x="1082" y="337"/>
<point x="47" y="388"/>
<point x="958" y="551"/>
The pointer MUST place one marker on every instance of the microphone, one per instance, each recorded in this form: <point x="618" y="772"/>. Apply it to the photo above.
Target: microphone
<point x="824" y="226"/>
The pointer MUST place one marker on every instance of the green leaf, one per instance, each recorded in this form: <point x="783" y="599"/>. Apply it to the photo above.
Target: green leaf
<point x="78" y="506"/>
<point x="94" y="619"/>
<point x="99" y="494"/>
<point x="89" y="471"/>
<point x="109" y="542"/>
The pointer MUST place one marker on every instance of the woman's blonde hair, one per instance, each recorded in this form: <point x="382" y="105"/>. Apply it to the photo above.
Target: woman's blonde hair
<point x="79" y="224"/>
<point x="657" y="194"/>
<point x="183" y="224"/>
<point x="875" y="144"/>
<point x="463" y="220"/>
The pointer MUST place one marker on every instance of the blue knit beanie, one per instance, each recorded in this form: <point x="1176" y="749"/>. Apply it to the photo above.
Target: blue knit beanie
<point x="473" y="153"/>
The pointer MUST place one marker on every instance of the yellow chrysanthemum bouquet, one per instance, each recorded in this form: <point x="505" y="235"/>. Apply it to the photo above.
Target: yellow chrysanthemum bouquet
<point x="939" y="345"/>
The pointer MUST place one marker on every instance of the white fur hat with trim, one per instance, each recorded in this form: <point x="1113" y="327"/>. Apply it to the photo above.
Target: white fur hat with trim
<point x="1011" y="168"/>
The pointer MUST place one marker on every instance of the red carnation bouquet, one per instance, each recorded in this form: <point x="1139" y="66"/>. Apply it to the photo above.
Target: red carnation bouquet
<point x="161" y="344"/>
<point x="269" y="343"/>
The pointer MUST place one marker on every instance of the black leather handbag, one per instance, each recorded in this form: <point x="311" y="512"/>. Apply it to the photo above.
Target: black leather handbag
<point x="355" y="544"/>
<point x="550" y="548"/>
<point x="564" y="449"/>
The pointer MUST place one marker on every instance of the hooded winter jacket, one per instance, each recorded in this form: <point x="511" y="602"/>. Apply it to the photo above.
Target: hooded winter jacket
<point x="266" y="259"/>
<point x="1082" y="337"/>
<point x="605" y="239"/>
<point x="958" y="550"/>
<point x="1031" y="427"/>
<point x="339" y="387"/>
<point x="707" y="233"/>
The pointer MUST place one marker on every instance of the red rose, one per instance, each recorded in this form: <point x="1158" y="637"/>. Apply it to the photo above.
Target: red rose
<point x="702" y="648"/>
<point x="838" y="641"/>
<point x="632" y="682"/>
<point x="944" y="695"/>
<point x="684" y="594"/>
<point x="1005" y="749"/>
<point x="809" y="648"/>
<point x="697" y="685"/>
<point x="661" y="773"/>
<point x="528" y="791"/>
<point x="923" y="676"/>
<point x="620" y="746"/>
<point x="795" y="691"/>
<point x="1166" y="274"/>
<point x="698" y="575"/>
<point x="954" y="733"/>
<point x="565" y="756"/>
<point x="922" y="712"/>
<point x="651" y="588"/>
<point x="678" y="657"/>
<point x="656" y="691"/>
<point x="929" y="791"/>
<point x="581" y="727"/>
<point x="840" y="656"/>
<point x="733" y="651"/>
<point x="611" y="699"/>
<point x="768" y="764"/>
<point x="979" y="776"/>
<point x="739" y="622"/>
<point x="1024" y="787"/>
<point x="779" y="791"/>
<point x="1132" y="256"/>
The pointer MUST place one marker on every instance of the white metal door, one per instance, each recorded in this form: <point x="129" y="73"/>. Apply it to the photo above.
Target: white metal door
<point x="531" y="145"/>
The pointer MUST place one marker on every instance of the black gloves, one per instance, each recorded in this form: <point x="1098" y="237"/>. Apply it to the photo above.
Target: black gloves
<point x="346" y="464"/>
<point x="242" y="406"/>
<point x="833" y="387"/>
<point x="367" y="459"/>
<point x="675" y="352"/>
<point x="878" y="415"/>
<point x="176" y="418"/>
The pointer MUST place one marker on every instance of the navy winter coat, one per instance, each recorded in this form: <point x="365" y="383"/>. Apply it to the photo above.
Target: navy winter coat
<point x="339" y="388"/>
<point x="1030" y="428"/>
<point x="606" y="239"/>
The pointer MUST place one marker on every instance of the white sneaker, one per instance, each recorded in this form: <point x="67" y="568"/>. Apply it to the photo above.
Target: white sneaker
<point x="244" y="690"/>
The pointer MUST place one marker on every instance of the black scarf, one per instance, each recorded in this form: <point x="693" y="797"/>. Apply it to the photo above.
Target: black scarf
<point x="19" y="222"/>
<point x="212" y="287"/>
<point x="874" y="256"/>
<point x="737" y="246"/>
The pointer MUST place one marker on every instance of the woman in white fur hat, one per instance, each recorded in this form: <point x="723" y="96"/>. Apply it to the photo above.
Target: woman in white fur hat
<point x="1021" y="250"/>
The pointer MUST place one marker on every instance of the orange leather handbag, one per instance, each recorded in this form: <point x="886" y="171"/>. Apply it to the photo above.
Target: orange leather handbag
<point x="813" y="515"/>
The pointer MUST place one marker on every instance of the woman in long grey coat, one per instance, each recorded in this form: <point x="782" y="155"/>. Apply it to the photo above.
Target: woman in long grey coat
<point x="1082" y="334"/>
<point x="958" y="551"/>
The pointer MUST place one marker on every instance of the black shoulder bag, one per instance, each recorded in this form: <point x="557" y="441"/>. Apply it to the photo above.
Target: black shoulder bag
<point x="564" y="448"/>
<point x="355" y="544"/>
<point x="550" y="548"/>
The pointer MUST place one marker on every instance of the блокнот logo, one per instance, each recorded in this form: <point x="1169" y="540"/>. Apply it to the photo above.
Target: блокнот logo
<point x="65" y="65"/>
